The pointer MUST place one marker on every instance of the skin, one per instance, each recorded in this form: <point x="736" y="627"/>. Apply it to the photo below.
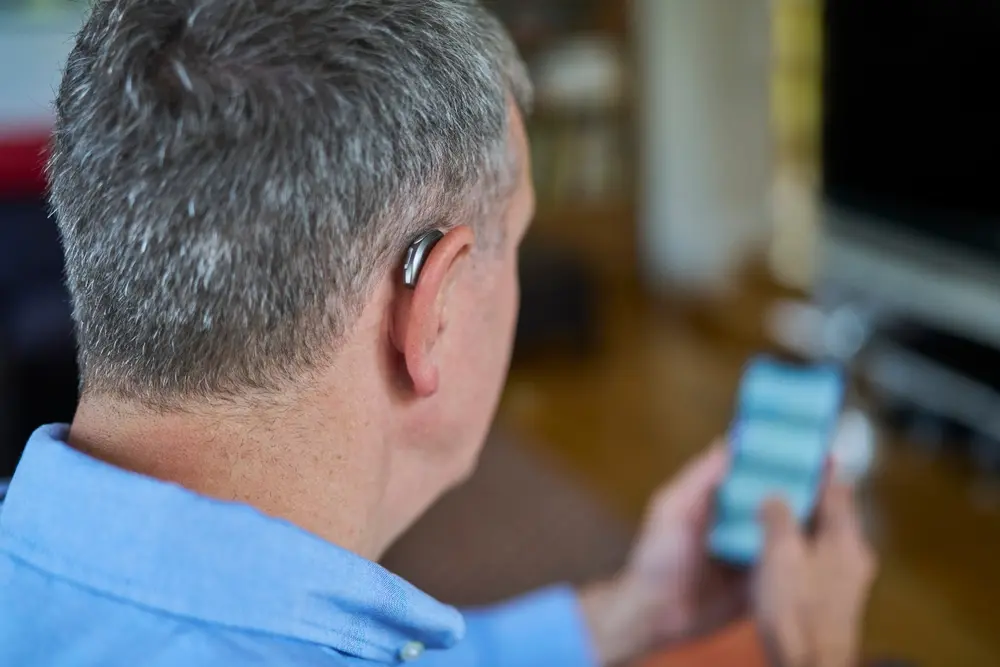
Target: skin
<point x="358" y="450"/>
<point x="812" y="590"/>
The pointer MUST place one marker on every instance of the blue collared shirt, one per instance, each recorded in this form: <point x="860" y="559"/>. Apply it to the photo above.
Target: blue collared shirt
<point x="101" y="566"/>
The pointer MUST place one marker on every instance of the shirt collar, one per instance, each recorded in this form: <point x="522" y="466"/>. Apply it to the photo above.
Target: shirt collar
<point x="161" y="546"/>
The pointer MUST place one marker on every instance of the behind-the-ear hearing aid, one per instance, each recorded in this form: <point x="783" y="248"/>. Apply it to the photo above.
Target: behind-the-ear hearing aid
<point x="416" y="255"/>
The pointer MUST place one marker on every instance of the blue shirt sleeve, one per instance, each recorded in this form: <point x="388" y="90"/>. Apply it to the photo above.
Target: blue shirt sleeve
<point x="540" y="629"/>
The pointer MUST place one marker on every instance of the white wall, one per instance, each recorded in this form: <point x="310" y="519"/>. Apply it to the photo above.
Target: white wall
<point x="705" y="128"/>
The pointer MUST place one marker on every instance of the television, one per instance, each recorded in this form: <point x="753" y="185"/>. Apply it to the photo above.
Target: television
<point x="911" y="160"/>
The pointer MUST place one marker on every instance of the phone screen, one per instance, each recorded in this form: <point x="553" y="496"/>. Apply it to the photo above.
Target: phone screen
<point x="786" y="416"/>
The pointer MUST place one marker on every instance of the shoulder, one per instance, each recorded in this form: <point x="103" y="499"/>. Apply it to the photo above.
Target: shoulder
<point x="52" y="621"/>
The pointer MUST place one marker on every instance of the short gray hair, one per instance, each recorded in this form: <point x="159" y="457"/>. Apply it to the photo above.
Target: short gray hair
<point x="230" y="178"/>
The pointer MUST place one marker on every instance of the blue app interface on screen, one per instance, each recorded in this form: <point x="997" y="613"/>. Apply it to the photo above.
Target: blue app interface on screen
<point x="785" y="419"/>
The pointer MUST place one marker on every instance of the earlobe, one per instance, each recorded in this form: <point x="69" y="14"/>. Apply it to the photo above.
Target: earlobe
<point x="418" y="315"/>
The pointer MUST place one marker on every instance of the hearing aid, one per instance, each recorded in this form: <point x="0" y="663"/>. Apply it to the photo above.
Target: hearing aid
<point x="417" y="254"/>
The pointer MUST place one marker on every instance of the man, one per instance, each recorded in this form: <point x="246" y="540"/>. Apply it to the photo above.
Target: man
<point x="266" y="406"/>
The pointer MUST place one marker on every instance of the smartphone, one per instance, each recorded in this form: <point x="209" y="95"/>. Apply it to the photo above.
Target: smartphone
<point x="785" y="420"/>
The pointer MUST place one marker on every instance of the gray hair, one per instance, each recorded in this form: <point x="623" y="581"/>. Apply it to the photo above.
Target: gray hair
<point x="230" y="178"/>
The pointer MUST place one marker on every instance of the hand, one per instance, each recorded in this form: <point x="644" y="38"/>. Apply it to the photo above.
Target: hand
<point x="670" y="589"/>
<point x="810" y="594"/>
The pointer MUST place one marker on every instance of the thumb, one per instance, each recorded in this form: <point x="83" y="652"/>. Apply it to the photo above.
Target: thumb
<point x="692" y="490"/>
<point x="705" y="472"/>
<point x="778" y="522"/>
<point x="836" y="512"/>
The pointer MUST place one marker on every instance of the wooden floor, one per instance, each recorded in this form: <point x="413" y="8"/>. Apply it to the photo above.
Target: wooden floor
<point x="661" y="388"/>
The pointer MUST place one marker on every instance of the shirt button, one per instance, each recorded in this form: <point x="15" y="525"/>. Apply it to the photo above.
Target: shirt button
<point x="411" y="651"/>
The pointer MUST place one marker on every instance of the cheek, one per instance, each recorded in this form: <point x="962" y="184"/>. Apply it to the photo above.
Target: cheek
<point x="498" y="325"/>
<point x="480" y="369"/>
<point x="515" y="291"/>
<point x="508" y="300"/>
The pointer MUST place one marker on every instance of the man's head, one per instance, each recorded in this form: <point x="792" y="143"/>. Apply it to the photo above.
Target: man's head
<point x="236" y="183"/>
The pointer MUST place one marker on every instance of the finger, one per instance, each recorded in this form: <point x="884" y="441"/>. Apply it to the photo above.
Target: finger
<point x="829" y="470"/>
<point x="778" y="522"/>
<point x="709" y="466"/>
<point x="784" y="542"/>
<point x="692" y="491"/>
<point x="837" y="514"/>
<point x="706" y="471"/>
<point x="777" y="607"/>
<point x="784" y="642"/>
<point x="781" y="577"/>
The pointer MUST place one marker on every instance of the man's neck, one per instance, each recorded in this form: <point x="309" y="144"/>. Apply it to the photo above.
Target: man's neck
<point x="326" y="477"/>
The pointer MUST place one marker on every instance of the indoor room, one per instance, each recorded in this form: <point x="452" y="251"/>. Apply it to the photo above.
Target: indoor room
<point x="719" y="186"/>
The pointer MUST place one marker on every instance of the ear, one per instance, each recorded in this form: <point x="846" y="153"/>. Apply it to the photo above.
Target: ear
<point x="418" y="314"/>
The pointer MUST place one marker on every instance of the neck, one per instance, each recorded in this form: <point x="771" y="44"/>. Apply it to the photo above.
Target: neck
<point x="327" y="475"/>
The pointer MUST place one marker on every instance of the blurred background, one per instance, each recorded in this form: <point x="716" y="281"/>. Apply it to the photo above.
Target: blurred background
<point x="715" y="179"/>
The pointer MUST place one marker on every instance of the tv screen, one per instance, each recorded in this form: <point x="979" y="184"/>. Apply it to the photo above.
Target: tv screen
<point x="912" y="116"/>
